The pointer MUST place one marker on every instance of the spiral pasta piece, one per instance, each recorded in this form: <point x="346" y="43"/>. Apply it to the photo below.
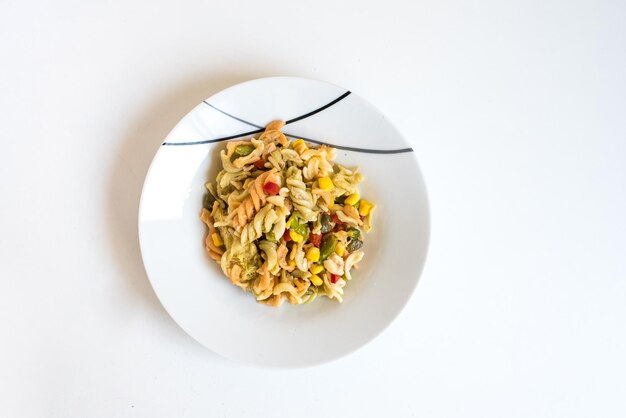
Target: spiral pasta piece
<point x="334" y="290"/>
<point x="269" y="249"/>
<point x="252" y="204"/>
<point x="281" y="255"/>
<point x="302" y="199"/>
<point x="214" y="251"/>
<point x="258" y="225"/>
<point x="334" y="264"/>
<point x="348" y="214"/>
<point x="351" y="261"/>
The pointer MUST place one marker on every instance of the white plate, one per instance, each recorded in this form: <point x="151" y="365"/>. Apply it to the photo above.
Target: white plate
<point x="192" y="287"/>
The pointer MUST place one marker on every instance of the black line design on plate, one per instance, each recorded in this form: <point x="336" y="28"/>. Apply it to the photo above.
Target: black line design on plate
<point x="326" y="106"/>
<point x="365" y="150"/>
<point x="312" y="140"/>
<point x="210" y="141"/>
<point x="232" y="116"/>
<point x="306" y="115"/>
<point x="260" y="129"/>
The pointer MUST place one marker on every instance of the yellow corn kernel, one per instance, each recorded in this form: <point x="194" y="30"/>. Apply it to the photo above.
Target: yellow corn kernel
<point x="299" y="146"/>
<point x="316" y="280"/>
<point x="295" y="237"/>
<point x="313" y="254"/>
<point x="352" y="199"/>
<point x="316" y="268"/>
<point x="326" y="183"/>
<point x="217" y="240"/>
<point x="365" y="207"/>
<point x="340" y="249"/>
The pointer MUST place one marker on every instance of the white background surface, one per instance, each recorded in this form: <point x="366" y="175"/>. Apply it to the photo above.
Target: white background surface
<point x="515" y="110"/>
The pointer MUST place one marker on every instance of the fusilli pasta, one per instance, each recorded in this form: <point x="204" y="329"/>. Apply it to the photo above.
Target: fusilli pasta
<point x="284" y="221"/>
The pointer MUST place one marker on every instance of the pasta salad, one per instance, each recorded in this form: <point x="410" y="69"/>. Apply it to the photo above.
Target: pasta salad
<point x="285" y="221"/>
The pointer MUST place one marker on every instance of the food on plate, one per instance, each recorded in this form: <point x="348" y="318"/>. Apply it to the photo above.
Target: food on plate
<point x="284" y="220"/>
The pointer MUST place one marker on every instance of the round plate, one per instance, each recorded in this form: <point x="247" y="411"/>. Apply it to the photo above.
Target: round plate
<point x="192" y="287"/>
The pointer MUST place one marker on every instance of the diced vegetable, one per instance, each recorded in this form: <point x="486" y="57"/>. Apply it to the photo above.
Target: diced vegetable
<point x="260" y="164"/>
<point x="325" y="222"/>
<point x="326" y="183"/>
<point x="243" y="150"/>
<point x="354" y="245"/>
<point x="316" y="239"/>
<point x="287" y="236"/>
<point x="352" y="199"/>
<point x="217" y="240"/>
<point x="313" y="254"/>
<point x="300" y="229"/>
<point x="271" y="188"/>
<point x="365" y="207"/>
<point x="328" y="246"/>
<point x="295" y="236"/>
<point x="334" y="278"/>
<point x="341" y="199"/>
<point x="316" y="268"/>
<point x="293" y="217"/>
<point x="270" y="237"/>
<point x="336" y="219"/>
<point x="208" y="201"/>
<point x="316" y="280"/>
<point x="340" y="249"/>
<point x="295" y="225"/>
<point x="354" y="233"/>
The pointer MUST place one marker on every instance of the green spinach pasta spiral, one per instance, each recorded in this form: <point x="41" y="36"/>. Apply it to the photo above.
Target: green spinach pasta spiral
<point x="284" y="221"/>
